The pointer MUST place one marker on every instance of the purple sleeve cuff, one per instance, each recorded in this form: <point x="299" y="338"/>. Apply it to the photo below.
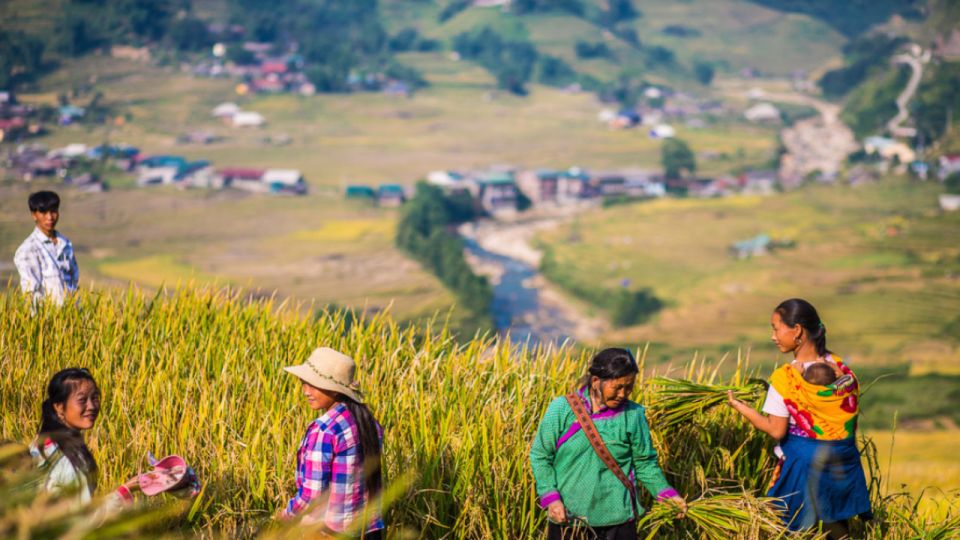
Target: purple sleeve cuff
<point x="666" y="494"/>
<point x="548" y="498"/>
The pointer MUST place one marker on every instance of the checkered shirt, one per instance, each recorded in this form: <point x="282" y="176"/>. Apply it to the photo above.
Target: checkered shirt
<point x="328" y="466"/>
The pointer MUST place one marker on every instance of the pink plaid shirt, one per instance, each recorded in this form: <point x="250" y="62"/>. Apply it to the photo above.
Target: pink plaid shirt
<point x="328" y="466"/>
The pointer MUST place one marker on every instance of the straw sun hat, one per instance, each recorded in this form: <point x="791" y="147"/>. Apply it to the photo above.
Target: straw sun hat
<point x="329" y="370"/>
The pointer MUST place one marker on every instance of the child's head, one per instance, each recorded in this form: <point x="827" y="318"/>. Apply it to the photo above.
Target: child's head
<point x="820" y="374"/>
<point x="45" y="209"/>
<point x="72" y="403"/>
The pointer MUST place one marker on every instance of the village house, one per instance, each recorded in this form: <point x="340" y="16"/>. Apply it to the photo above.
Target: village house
<point x="360" y="192"/>
<point x="391" y="195"/>
<point x="540" y="186"/>
<point x="246" y="179"/>
<point x="609" y="184"/>
<point x="11" y="128"/>
<point x="574" y="186"/>
<point x="758" y="182"/>
<point x="497" y="191"/>
<point x="888" y="149"/>
<point x="247" y="119"/>
<point x="753" y="247"/>
<point x="643" y="183"/>
<point x="762" y="112"/>
<point x="447" y="180"/>
<point x="947" y="165"/>
<point x="947" y="46"/>
<point x="284" y="181"/>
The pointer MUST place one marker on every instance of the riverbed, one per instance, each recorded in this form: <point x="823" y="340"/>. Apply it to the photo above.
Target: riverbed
<point x="525" y="307"/>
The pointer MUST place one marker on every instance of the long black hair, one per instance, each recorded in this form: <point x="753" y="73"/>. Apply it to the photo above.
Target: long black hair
<point x="369" y="444"/>
<point x="68" y="440"/>
<point x="798" y="311"/>
<point x="611" y="363"/>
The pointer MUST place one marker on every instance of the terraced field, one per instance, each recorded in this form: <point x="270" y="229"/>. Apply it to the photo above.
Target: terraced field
<point x="880" y="262"/>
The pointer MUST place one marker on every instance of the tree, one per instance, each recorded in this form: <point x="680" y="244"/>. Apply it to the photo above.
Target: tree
<point x="190" y="34"/>
<point x="677" y="158"/>
<point x="704" y="72"/>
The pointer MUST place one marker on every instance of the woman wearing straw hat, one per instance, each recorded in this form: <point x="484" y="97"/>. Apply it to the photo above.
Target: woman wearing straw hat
<point x="338" y="464"/>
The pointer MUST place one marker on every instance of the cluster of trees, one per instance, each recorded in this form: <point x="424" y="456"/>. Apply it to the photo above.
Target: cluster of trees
<point x="586" y="50"/>
<point x="677" y="158"/>
<point x="851" y="17"/>
<point x="511" y="62"/>
<point x="626" y="306"/>
<point x="874" y="102"/>
<point x="81" y="26"/>
<point x="865" y="57"/>
<point x="21" y="57"/>
<point x="409" y="39"/>
<point x="425" y="231"/>
<point x="937" y="103"/>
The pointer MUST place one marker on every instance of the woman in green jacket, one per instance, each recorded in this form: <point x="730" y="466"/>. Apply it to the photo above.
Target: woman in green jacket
<point x="583" y="497"/>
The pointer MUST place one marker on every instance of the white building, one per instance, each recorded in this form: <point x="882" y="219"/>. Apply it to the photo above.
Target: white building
<point x="248" y="119"/>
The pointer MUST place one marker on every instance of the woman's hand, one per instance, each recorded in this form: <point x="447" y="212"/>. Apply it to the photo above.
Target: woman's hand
<point x="557" y="512"/>
<point x="133" y="484"/>
<point x="681" y="504"/>
<point x="732" y="401"/>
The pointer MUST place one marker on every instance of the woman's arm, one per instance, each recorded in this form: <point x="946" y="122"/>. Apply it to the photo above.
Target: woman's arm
<point x="313" y="474"/>
<point x="647" y="469"/>
<point x="542" y="455"/>
<point x="775" y="426"/>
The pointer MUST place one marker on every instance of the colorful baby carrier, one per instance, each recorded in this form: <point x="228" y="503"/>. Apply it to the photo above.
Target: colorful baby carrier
<point x="820" y="412"/>
<point x="820" y="477"/>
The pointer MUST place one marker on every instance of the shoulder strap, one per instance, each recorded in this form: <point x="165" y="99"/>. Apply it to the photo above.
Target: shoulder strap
<point x="590" y="430"/>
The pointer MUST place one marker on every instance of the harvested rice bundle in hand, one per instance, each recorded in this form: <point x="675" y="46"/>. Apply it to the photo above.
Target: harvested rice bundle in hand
<point x="724" y="516"/>
<point x="677" y="401"/>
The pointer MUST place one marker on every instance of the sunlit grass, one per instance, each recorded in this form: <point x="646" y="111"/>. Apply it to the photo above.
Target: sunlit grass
<point x="198" y="372"/>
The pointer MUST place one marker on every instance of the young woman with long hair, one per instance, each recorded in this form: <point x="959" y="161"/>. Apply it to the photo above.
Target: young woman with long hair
<point x="339" y="467"/>
<point x="819" y="479"/>
<point x="72" y="406"/>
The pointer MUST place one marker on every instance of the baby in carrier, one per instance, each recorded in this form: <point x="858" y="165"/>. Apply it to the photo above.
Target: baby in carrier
<point x="821" y="374"/>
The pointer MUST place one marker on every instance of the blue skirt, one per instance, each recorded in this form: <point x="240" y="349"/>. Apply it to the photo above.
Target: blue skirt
<point x="820" y="481"/>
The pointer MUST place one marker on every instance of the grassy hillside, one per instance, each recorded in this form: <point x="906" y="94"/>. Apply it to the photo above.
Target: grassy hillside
<point x="734" y="33"/>
<point x="880" y="262"/>
<point x="198" y="373"/>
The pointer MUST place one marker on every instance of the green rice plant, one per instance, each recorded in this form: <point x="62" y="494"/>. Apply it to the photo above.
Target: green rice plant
<point x="198" y="372"/>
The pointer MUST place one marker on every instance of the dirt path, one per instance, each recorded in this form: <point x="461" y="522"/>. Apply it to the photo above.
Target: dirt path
<point x="819" y="144"/>
<point x="915" y="57"/>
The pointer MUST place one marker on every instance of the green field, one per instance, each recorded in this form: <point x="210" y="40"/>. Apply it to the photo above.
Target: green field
<point x="880" y="262"/>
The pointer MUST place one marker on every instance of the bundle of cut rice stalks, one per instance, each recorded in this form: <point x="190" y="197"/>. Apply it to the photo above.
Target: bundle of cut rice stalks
<point x="726" y="516"/>
<point x="677" y="401"/>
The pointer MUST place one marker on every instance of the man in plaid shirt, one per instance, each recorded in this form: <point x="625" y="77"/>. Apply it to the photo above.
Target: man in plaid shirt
<point x="45" y="260"/>
<point x="328" y="467"/>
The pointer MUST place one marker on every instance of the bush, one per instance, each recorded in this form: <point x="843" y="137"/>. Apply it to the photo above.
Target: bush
<point x="511" y="62"/>
<point x="586" y="50"/>
<point x="553" y="71"/>
<point x="423" y="232"/>
<point x="952" y="184"/>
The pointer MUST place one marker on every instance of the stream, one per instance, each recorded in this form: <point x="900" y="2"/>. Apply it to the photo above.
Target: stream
<point x="524" y="306"/>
